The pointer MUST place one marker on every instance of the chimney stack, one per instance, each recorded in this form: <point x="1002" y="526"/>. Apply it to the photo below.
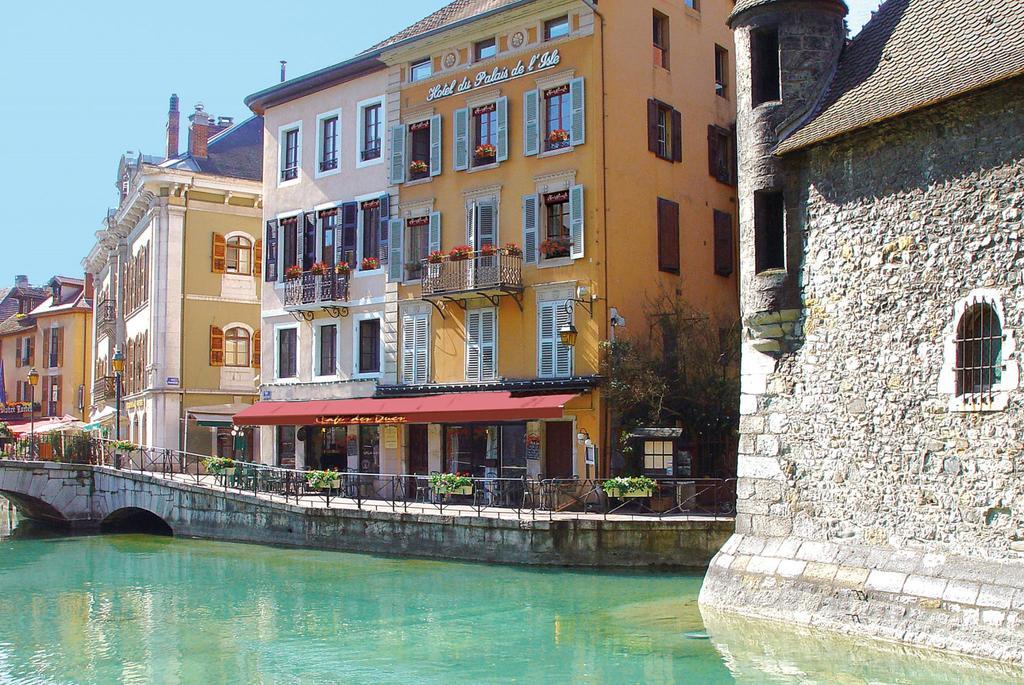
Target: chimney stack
<point x="284" y="63"/>
<point x="173" y="126"/>
<point x="198" y="132"/>
<point x="21" y="281"/>
<point x="90" y="288"/>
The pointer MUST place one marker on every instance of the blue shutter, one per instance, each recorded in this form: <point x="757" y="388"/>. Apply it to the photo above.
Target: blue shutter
<point x="501" y="107"/>
<point x="461" y="139"/>
<point x="531" y="123"/>
<point x="434" y="234"/>
<point x="398" y="135"/>
<point x="578" y="119"/>
<point x="576" y="219"/>
<point x="435" y="145"/>
<point x="486" y="223"/>
<point x="270" y="257"/>
<point x="347" y="225"/>
<point x="531" y="209"/>
<point x="396" y="265"/>
<point x="385" y="219"/>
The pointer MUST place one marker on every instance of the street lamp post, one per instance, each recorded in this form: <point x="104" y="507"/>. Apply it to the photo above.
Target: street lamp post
<point x="117" y="362"/>
<point x="33" y="380"/>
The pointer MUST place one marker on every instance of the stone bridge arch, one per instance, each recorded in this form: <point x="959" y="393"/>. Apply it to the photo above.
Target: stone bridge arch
<point x="135" y="520"/>
<point x="35" y="509"/>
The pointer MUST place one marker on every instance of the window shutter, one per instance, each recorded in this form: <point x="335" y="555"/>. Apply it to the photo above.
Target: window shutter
<point x="421" y="355"/>
<point x="257" y="351"/>
<point x="488" y="340"/>
<point x="57" y="395"/>
<point x="723" y="244"/>
<point x="306" y="240"/>
<point x="733" y="160"/>
<point x="396" y="265"/>
<point x="531" y="123"/>
<point x="220" y="252"/>
<point x="677" y="136"/>
<point x="270" y="270"/>
<point x="546" y="334"/>
<point x="473" y="345"/>
<point x="531" y="208"/>
<point x="435" y="145"/>
<point x="44" y="396"/>
<point x="408" y="349"/>
<point x="60" y="347"/>
<point x="486" y="223"/>
<point x="668" y="236"/>
<point x="461" y="139"/>
<point x="480" y="344"/>
<point x="576" y="219"/>
<point x="577" y="101"/>
<point x="257" y="259"/>
<point x="46" y="347"/>
<point x="216" y="346"/>
<point x="434" y="232"/>
<point x="17" y="353"/>
<point x="346" y="245"/>
<point x="384" y="226"/>
<point x="398" y="135"/>
<point x="563" y="353"/>
<point x="713" y="151"/>
<point x="652" y="126"/>
<point x="501" y="107"/>
<point x="31" y="343"/>
<point x="471" y="219"/>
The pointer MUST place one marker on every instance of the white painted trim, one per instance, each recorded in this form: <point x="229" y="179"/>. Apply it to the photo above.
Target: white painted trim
<point x="319" y="144"/>
<point x="360" y="107"/>
<point x="356" y="319"/>
<point x="315" y="351"/>
<point x="277" y="350"/>
<point x="281" y="130"/>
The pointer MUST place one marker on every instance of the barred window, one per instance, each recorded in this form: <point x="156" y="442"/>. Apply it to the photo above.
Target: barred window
<point x="979" y="350"/>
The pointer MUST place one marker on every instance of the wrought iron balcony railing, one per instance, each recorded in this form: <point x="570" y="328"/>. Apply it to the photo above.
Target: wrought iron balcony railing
<point x="498" y="272"/>
<point x="106" y="317"/>
<point x="313" y="291"/>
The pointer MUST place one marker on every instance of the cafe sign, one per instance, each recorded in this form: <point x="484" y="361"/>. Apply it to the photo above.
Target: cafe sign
<point x="542" y="61"/>
<point x="378" y="420"/>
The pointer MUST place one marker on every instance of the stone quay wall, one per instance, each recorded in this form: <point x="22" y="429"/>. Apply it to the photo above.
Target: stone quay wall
<point x="869" y="502"/>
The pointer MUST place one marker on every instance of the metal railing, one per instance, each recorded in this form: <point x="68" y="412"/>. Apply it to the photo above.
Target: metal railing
<point x="314" y="289"/>
<point x="492" y="271"/>
<point x="106" y="318"/>
<point x="409" y="493"/>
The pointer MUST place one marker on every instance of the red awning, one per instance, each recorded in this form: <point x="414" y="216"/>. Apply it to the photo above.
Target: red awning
<point x="450" y="408"/>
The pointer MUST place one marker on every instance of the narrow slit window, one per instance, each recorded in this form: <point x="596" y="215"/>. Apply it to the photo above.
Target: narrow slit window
<point x="769" y="231"/>
<point x="764" y="63"/>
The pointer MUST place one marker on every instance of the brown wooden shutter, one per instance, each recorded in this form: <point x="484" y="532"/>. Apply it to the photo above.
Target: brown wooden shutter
<point x="220" y="254"/>
<point x="733" y="157"/>
<point x="652" y="126"/>
<point x="668" y="236"/>
<point x="723" y="244"/>
<point x="60" y="346"/>
<point x="31" y="351"/>
<point x="257" y="259"/>
<point x="713" y="150"/>
<point x="256" y="350"/>
<point x="56" y="388"/>
<point x="46" y="347"/>
<point x="216" y="346"/>
<point x="677" y="136"/>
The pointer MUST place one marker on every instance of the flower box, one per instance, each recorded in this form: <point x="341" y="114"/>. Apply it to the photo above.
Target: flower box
<point x="319" y="269"/>
<point x="370" y="264"/>
<point x="460" y="253"/>
<point x="630" y="487"/>
<point x="292" y="272"/>
<point x="447" y="490"/>
<point x="631" y="494"/>
<point x="418" y="167"/>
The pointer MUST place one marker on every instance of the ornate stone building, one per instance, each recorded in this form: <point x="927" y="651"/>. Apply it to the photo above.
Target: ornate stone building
<point x="881" y="195"/>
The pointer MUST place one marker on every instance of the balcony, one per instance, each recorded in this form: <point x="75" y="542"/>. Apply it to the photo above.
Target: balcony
<point x="309" y="291"/>
<point x="106" y="318"/>
<point x="480" y="274"/>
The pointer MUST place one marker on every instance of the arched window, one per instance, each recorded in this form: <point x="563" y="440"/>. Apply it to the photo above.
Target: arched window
<point x="239" y="256"/>
<point x="236" y="347"/>
<point x="979" y="350"/>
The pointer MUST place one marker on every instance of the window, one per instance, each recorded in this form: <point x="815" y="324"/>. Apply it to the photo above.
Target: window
<point x="554" y="118"/>
<point x="485" y="134"/>
<point x="238" y="255"/>
<point x="554" y="360"/>
<point x="290" y="155"/>
<point x="286" y="446"/>
<point x="371" y="133"/>
<point x="369" y="346"/>
<point x="721" y="71"/>
<point x="668" y="236"/>
<point x="415" y="348"/>
<point x="979" y="350"/>
<point x="236" y="347"/>
<point x="692" y="4"/>
<point x="327" y="352"/>
<point x="658" y="455"/>
<point x="661" y="40"/>
<point x="557" y="226"/>
<point x="481" y="339"/>
<point x="556" y="28"/>
<point x="722" y="154"/>
<point x="723" y="244"/>
<point x="664" y="131"/>
<point x="287" y="353"/>
<point x="485" y="49"/>
<point x="769" y="231"/>
<point x="557" y="117"/>
<point x="328" y="235"/>
<point x="764" y="66"/>
<point x="370" y="216"/>
<point x="329" y="143"/>
<point x="419" y="134"/>
<point x="421" y="70"/>
<point x="290" y="238"/>
<point x="55" y="347"/>
<point x="417" y="246"/>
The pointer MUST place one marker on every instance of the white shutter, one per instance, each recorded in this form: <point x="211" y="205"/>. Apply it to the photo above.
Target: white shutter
<point x="408" y="349"/>
<point x="461" y="139"/>
<point x="473" y="345"/>
<point x="501" y="107"/>
<point x="396" y="258"/>
<point x="563" y="353"/>
<point x="546" y="333"/>
<point x="488" y="343"/>
<point x="578" y="119"/>
<point x="421" y="353"/>
<point x="531" y="123"/>
<point x="435" y="145"/>
<point x="486" y="223"/>
<point x="531" y="209"/>
<point x="398" y="136"/>
<point x="576" y="219"/>
<point x="434" y="234"/>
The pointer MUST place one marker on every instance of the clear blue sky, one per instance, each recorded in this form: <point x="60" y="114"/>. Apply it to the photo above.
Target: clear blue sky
<point x="86" y="81"/>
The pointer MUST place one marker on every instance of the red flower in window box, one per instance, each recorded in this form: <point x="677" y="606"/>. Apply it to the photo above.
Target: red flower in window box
<point x="343" y="269"/>
<point x="418" y="166"/>
<point x="460" y="253"/>
<point x="293" y="272"/>
<point x="370" y="264"/>
<point x="488" y="250"/>
<point x="435" y="257"/>
<point x="555" y="247"/>
<point x="559" y="135"/>
<point x="485" y="151"/>
<point x="319" y="269"/>
<point x="513" y="250"/>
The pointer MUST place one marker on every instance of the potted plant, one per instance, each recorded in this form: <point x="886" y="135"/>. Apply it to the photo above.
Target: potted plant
<point x="343" y="269"/>
<point x="451" y="483"/>
<point x="418" y="167"/>
<point x="488" y="250"/>
<point x="319" y="269"/>
<point x="629" y="487"/>
<point x="485" y="152"/>
<point x="558" y="138"/>
<point x="370" y="264"/>
<point x="5" y="432"/>
<point x="323" y="480"/>
<point x="293" y="272"/>
<point x="460" y="253"/>
<point x="220" y="466"/>
<point x="513" y="250"/>
<point x="555" y="247"/>
<point x="435" y="257"/>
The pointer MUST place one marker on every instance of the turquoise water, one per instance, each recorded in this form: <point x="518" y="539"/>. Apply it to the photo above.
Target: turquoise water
<point x="141" y="609"/>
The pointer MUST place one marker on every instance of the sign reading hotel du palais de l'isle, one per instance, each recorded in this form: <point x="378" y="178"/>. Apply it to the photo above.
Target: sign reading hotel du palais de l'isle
<point x="539" y="62"/>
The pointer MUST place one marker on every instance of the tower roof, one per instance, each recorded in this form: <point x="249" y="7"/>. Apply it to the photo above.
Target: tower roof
<point x="744" y="5"/>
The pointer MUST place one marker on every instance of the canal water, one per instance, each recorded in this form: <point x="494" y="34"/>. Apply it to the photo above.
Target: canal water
<point x="145" y="609"/>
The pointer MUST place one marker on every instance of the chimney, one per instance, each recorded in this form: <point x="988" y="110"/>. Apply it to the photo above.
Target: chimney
<point x="173" y="125"/>
<point x="21" y="281"/>
<point x="284" y="63"/>
<point x="89" y="289"/>
<point x="198" y="132"/>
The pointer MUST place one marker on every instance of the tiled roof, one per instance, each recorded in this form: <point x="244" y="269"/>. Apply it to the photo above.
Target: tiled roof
<point x="237" y="152"/>
<point x="744" y="5"/>
<point x="9" y="298"/>
<point x="914" y="53"/>
<point x="447" y="15"/>
<point x="14" y="324"/>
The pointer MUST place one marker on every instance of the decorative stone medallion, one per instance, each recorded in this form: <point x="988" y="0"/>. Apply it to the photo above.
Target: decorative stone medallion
<point x="450" y="59"/>
<point x="517" y="39"/>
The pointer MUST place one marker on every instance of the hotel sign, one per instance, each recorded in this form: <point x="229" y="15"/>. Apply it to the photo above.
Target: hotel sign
<point x="539" y="62"/>
<point x="378" y="420"/>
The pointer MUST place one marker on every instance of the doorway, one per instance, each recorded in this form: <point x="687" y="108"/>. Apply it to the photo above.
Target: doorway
<point x="558" y="449"/>
<point x="418" y="460"/>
